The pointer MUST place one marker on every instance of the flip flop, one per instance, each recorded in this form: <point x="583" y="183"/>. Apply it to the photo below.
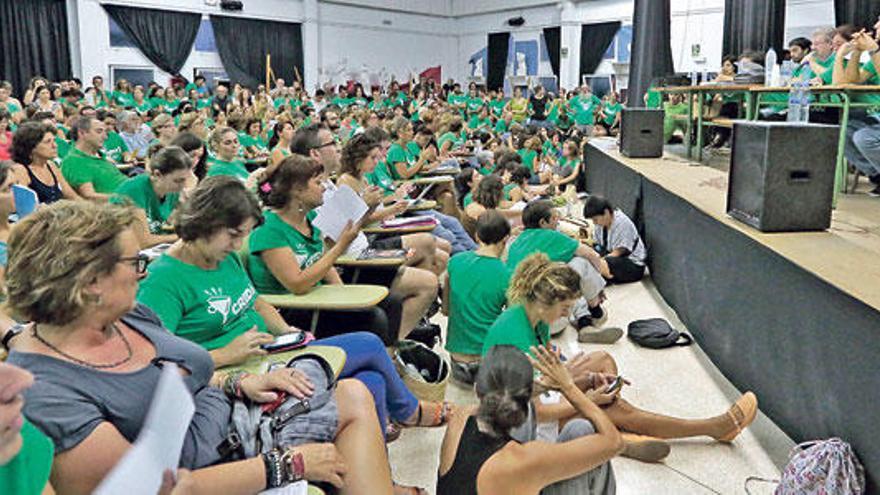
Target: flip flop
<point x="747" y="406"/>
<point x="436" y="413"/>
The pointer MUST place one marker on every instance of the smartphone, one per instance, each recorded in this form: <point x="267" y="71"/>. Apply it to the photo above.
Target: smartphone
<point x="615" y="385"/>
<point x="286" y="342"/>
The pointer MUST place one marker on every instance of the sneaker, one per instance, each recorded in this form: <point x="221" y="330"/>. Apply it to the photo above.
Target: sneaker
<point x="607" y="335"/>
<point x="598" y="315"/>
<point x="644" y="448"/>
<point x="874" y="192"/>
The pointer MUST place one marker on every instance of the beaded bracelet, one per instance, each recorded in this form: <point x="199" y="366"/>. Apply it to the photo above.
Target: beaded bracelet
<point x="274" y="468"/>
<point x="295" y="466"/>
<point x="232" y="384"/>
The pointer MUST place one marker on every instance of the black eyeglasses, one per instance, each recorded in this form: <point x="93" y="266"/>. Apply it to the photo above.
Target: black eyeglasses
<point x="139" y="262"/>
<point x="331" y="143"/>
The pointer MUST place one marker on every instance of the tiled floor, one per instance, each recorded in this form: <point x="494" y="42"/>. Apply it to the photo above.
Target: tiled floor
<point x="678" y="381"/>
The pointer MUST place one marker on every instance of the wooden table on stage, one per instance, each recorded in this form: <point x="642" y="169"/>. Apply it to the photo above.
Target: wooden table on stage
<point x="753" y="103"/>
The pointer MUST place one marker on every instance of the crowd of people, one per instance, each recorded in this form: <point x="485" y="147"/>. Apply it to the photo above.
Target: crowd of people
<point x="228" y="182"/>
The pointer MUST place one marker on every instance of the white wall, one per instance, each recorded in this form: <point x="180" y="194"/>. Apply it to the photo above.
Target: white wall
<point x="407" y="35"/>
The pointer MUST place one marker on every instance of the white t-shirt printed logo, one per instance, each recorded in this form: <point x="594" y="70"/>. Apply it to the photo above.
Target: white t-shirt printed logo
<point x="218" y="302"/>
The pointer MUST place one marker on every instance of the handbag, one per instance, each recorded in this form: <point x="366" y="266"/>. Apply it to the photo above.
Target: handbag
<point x="817" y="468"/>
<point x="422" y="369"/>
<point x="290" y="421"/>
<point x="657" y="333"/>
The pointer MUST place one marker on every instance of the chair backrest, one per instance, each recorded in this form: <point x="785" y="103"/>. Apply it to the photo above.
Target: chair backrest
<point x="25" y="200"/>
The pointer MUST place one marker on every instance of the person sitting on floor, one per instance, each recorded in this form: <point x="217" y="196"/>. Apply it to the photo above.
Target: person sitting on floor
<point x="96" y="355"/>
<point x="540" y="235"/>
<point x="542" y="291"/>
<point x="617" y="239"/>
<point x="482" y="454"/>
<point x="474" y="295"/>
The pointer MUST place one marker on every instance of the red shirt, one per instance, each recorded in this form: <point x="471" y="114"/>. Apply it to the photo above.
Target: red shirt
<point x="6" y="147"/>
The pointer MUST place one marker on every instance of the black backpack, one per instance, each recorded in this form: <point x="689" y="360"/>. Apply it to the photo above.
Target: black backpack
<point x="657" y="333"/>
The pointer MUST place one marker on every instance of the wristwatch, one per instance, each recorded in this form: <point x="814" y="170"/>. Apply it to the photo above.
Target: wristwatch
<point x="10" y="334"/>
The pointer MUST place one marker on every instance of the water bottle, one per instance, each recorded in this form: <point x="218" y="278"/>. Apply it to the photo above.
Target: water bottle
<point x="769" y="64"/>
<point x="693" y="78"/>
<point x="786" y="72"/>
<point x="805" y="102"/>
<point x="794" y="103"/>
<point x="704" y="75"/>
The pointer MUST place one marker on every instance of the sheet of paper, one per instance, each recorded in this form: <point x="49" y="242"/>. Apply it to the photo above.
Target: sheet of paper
<point x="158" y="446"/>
<point x="340" y="208"/>
<point x="298" y="488"/>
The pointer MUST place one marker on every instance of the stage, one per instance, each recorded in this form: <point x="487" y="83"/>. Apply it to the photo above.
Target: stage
<point x="794" y="317"/>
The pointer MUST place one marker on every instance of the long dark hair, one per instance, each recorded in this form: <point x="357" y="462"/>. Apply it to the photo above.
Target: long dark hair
<point x="504" y="387"/>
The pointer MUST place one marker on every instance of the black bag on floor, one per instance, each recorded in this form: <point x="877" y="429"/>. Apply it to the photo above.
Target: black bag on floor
<point x="657" y="333"/>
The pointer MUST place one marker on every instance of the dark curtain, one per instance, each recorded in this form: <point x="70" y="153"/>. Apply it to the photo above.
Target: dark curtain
<point x="552" y="37"/>
<point x="595" y="40"/>
<point x="164" y="37"/>
<point x="244" y="43"/>
<point x="754" y="25"/>
<point x="496" y="59"/>
<point x="651" y="49"/>
<point x="33" y="41"/>
<point x="860" y="13"/>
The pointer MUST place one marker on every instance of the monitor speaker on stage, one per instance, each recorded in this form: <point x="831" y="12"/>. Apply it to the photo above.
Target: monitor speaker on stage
<point x="641" y="133"/>
<point x="782" y="175"/>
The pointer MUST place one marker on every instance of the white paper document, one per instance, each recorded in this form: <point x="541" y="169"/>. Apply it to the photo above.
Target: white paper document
<point x="340" y="208"/>
<point x="159" y="443"/>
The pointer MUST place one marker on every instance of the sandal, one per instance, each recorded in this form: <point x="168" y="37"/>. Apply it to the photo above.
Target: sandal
<point x="392" y="432"/>
<point x="430" y="414"/>
<point x="747" y="407"/>
<point x="408" y="490"/>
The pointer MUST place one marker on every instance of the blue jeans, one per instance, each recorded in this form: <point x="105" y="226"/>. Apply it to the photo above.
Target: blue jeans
<point x="451" y="230"/>
<point x="367" y="362"/>
<point x="863" y="144"/>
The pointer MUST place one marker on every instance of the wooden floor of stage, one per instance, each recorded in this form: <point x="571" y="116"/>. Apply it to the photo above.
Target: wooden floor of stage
<point x="846" y="256"/>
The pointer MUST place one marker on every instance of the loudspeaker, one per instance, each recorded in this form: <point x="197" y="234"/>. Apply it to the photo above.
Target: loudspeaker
<point x="516" y="21"/>
<point x="782" y="175"/>
<point x="231" y="5"/>
<point x="641" y="133"/>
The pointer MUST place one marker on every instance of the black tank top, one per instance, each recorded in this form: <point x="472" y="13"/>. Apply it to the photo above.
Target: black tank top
<point x="45" y="193"/>
<point x="474" y="449"/>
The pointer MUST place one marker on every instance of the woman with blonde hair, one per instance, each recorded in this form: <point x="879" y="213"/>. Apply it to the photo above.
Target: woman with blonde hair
<point x="541" y="292"/>
<point x="97" y="355"/>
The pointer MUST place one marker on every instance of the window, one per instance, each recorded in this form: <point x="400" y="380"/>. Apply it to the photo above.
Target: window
<point x="205" y="41"/>
<point x="118" y="38"/>
<point x="135" y="75"/>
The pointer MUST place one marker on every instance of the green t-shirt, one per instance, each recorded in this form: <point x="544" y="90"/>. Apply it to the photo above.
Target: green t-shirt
<point x="497" y="107"/>
<point x="474" y="104"/>
<point x="451" y="137"/>
<point x="123" y="99"/>
<point x="456" y="99"/>
<point x="477" y="290"/>
<point x="556" y="245"/>
<point x="500" y="126"/>
<point x="381" y="178"/>
<point x="583" y="108"/>
<point x="208" y="307"/>
<point x="513" y="328"/>
<point x="63" y="146"/>
<point x="873" y="80"/>
<point x="468" y="199"/>
<point x="400" y="154"/>
<point x="79" y="168"/>
<point x="507" y="189"/>
<point x="528" y="158"/>
<point x="115" y="147"/>
<point x="572" y="163"/>
<point x="28" y="472"/>
<point x="234" y="168"/>
<point x="140" y="191"/>
<point x="655" y="99"/>
<point x="611" y="111"/>
<point x="477" y="123"/>
<point x="276" y="233"/>
<point x="248" y="141"/>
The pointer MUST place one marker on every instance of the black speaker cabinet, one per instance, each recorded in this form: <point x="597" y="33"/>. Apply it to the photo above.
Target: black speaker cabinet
<point x="641" y="133"/>
<point x="782" y="175"/>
